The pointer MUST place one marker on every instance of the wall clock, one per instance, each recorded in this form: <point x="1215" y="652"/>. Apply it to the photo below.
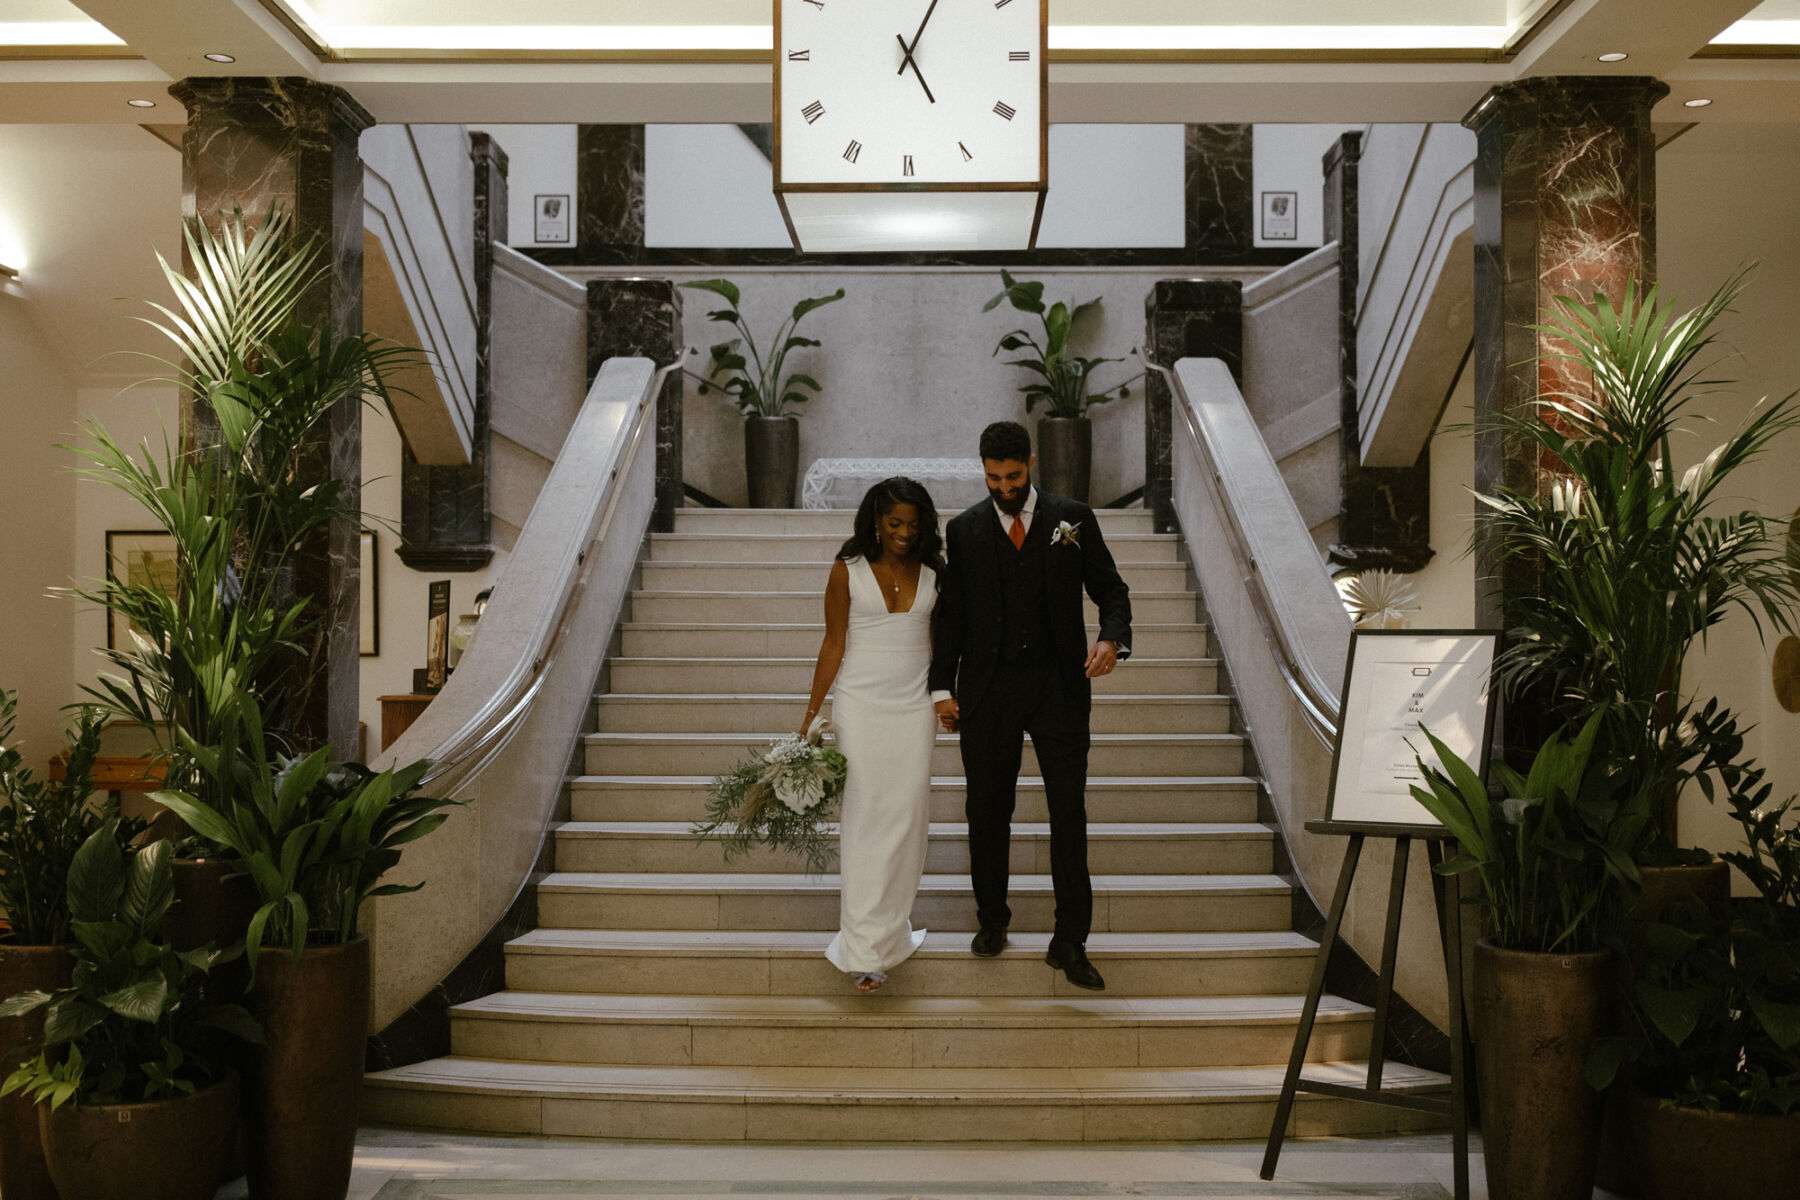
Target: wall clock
<point x="911" y="124"/>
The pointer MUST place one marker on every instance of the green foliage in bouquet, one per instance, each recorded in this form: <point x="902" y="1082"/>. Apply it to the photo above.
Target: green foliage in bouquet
<point x="783" y="799"/>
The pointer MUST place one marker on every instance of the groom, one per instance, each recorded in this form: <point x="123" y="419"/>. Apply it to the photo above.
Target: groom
<point x="1010" y="658"/>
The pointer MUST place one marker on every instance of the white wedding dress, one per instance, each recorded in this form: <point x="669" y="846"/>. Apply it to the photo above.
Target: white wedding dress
<point x="886" y="727"/>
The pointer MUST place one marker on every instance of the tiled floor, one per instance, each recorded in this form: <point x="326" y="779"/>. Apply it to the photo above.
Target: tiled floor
<point x="397" y="1165"/>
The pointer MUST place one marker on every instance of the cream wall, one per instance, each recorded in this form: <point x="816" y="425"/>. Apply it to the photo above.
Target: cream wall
<point x="1446" y="587"/>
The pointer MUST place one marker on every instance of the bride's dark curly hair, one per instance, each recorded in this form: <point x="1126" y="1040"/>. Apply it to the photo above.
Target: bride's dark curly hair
<point x="880" y="500"/>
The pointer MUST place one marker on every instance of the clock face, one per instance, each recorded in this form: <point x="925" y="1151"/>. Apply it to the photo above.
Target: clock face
<point x="927" y="92"/>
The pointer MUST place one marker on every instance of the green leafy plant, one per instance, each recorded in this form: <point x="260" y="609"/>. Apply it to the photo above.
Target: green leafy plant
<point x="315" y="837"/>
<point x="1634" y="564"/>
<point x="754" y="383"/>
<point x="1553" y="854"/>
<point x="1065" y="374"/>
<point x="136" y="1023"/>
<point x="43" y="824"/>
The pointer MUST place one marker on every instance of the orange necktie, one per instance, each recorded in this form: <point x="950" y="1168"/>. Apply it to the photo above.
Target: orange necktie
<point x="1017" y="533"/>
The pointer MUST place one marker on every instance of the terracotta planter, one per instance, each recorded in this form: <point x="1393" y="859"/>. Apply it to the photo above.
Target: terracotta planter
<point x="160" y="1150"/>
<point x="771" y="460"/>
<point x="1536" y="1015"/>
<point x="315" y="1018"/>
<point x="1687" y="1153"/>
<point x="23" y="1173"/>
<point x="1065" y="452"/>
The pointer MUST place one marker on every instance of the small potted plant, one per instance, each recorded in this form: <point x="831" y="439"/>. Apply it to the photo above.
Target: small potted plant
<point x="762" y="392"/>
<point x="134" y="1091"/>
<point x="1065" y="436"/>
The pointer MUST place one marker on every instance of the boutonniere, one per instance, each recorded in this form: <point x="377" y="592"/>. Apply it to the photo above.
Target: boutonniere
<point x="1066" y="533"/>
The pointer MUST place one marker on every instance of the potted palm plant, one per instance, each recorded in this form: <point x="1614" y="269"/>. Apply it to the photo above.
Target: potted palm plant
<point x="1552" y="856"/>
<point x="1065" y="436"/>
<point x="135" y="1096"/>
<point x="762" y="392"/>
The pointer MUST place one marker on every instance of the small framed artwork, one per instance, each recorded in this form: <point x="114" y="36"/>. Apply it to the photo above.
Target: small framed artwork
<point x="1280" y="216"/>
<point x="139" y="558"/>
<point x="550" y="221"/>
<point x="369" y="601"/>
<point x="1395" y="682"/>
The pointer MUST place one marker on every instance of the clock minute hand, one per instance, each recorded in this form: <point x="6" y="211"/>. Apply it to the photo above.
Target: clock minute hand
<point x="926" y="20"/>
<point x="908" y="60"/>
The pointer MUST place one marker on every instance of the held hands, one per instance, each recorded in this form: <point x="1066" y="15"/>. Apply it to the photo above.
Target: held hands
<point x="947" y="714"/>
<point x="1101" y="659"/>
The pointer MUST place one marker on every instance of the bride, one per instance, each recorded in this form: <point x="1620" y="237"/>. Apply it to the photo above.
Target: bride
<point x="879" y="600"/>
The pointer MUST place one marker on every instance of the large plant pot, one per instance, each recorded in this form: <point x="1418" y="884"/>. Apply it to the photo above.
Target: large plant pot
<point x="771" y="460"/>
<point x="214" y="904"/>
<point x="1065" y="453"/>
<point x="1536" y="1016"/>
<point x="1688" y="1153"/>
<point x="160" y="1150"/>
<point x="23" y="1173"/>
<point x="315" y="1019"/>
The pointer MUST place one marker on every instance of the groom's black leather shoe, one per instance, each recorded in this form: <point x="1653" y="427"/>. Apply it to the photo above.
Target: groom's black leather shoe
<point x="989" y="941"/>
<point x="1073" y="962"/>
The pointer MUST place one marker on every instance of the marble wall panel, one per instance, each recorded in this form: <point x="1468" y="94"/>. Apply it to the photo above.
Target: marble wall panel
<point x="1221" y="204"/>
<point x="643" y="317"/>
<point x="609" y="206"/>
<point x="1183" y="318"/>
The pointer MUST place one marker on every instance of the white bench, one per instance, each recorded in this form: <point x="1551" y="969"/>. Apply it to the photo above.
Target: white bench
<point x="954" y="483"/>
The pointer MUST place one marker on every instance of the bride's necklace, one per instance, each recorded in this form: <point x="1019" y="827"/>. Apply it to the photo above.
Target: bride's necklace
<point x="893" y="579"/>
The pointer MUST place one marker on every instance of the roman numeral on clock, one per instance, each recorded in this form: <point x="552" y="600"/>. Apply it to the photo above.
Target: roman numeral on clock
<point x="1005" y="111"/>
<point x="906" y="165"/>
<point x="852" y="150"/>
<point x="818" y="4"/>
<point x="1015" y="56"/>
<point x="966" y="155"/>
<point x="813" y="112"/>
<point x="799" y="55"/>
<point x="1001" y="3"/>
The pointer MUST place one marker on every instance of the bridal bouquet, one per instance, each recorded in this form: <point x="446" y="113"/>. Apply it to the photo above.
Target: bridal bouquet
<point x="782" y="799"/>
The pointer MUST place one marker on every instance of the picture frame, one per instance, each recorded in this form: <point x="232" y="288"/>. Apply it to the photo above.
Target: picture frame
<point x="437" y="634"/>
<point x="1396" y="680"/>
<point x="550" y="217"/>
<point x="369" y="597"/>
<point x="135" y="556"/>
<point x="1280" y="216"/>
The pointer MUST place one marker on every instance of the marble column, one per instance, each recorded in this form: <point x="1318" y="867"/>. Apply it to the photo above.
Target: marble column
<point x="444" y="522"/>
<point x="1384" y="513"/>
<point x="1221" y="206"/>
<point x="1565" y="204"/>
<point x="643" y="317"/>
<point x="1183" y="318"/>
<point x="609" y="189"/>
<point x="253" y="143"/>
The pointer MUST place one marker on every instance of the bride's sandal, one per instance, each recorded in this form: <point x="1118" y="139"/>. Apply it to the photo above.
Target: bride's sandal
<point x="869" y="981"/>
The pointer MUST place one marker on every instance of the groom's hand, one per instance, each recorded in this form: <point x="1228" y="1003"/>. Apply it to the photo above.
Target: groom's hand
<point x="947" y="714"/>
<point x="1101" y="660"/>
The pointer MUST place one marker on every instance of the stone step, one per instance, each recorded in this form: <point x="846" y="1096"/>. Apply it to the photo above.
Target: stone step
<point x="1122" y="903"/>
<point x="821" y="547"/>
<point x="1142" y="848"/>
<point x="840" y="521"/>
<point x="806" y="602"/>
<point x="792" y="963"/>
<point x="847" y="1029"/>
<point x="747" y="712"/>
<point x="799" y="577"/>
<point x="1110" y="753"/>
<point x="698" y="640"/>
<point x="1109" y="798"/>
<point x="793" y="676"/>
<point x="912" y="1104"/>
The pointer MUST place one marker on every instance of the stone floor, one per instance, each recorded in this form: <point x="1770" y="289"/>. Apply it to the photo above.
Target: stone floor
<point x="399" y="1165"/>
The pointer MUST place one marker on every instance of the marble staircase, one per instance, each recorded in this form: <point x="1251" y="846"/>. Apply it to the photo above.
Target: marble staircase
<point x="668" y="994"/>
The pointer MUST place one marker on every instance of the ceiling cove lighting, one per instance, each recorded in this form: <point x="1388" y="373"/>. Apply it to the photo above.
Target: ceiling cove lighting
<point x="1760" y="33"/>
<point x="57" y="33"/>
<point x="1277" y="37"/>
<point x="1614" y="56"/>
<point x="215" y="56"/>
<point x="1696" y="102"/>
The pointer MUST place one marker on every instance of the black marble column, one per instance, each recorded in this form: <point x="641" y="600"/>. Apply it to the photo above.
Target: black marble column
<point x="444" y="523"/>
<point x="253" y="143"/>
<point x="609" y="188"/>
<point x="1565" y="205"/>
<point x="1384" y="514"/>
<point x="1183" y="318"/>
<point x="1221" y="206"/>
<point x="643" y="317"/>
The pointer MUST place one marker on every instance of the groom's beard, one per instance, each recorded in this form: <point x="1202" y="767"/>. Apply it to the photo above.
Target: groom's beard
<point x="1016" y="505"/>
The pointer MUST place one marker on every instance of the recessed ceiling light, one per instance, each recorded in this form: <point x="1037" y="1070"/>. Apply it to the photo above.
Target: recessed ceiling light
<point x="142" y="103"/>
<point x="1697" y="102"/>
<point x="215" y="56"/>
<point x="1611" y="56"/>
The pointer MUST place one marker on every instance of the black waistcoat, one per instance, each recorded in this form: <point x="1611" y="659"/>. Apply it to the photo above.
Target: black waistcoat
<point x="1024" y="600"/>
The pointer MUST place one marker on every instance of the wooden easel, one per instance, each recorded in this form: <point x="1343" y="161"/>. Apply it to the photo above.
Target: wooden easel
<point x="1450" y="932"/>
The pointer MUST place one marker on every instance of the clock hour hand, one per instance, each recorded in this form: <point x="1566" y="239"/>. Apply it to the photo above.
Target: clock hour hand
<point x="906" y="61"/>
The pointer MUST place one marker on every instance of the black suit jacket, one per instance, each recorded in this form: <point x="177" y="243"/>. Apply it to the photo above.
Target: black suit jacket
<point x="966" y="650"/>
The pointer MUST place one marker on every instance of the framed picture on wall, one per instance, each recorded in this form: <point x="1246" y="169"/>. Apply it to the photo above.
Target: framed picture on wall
<point x="1280" y="216"/>
<point x="137" y="558"/>
<point x="369" y="603"/>
<point x="550" y="218"/>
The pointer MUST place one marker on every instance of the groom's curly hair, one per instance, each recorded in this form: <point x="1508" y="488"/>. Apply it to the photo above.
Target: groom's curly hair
<point x="881" y="499"/>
